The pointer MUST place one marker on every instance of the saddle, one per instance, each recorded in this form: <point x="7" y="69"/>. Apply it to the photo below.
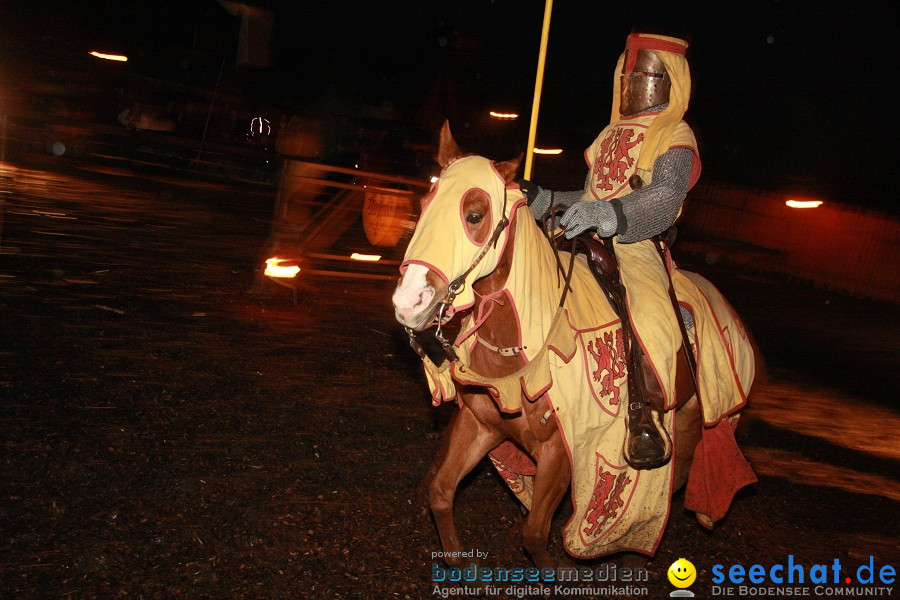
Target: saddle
<point x="601" y="260"/>
<point x="603" y="264"/>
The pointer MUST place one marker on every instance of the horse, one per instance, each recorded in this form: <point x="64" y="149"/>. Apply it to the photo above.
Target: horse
<point x="476" y="250"/>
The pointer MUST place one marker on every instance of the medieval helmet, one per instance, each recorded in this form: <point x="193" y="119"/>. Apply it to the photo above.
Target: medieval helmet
<point x="670" y="52"/>
<point x="645" y="82"/>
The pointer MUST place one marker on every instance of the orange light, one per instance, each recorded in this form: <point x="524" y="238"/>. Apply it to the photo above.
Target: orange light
<point x="548" y="150"/>
<point x="275" y="268"/>
<point x="804" y="203"/>
<point x="115" y="57"/>
<point x="504" y="116"/>
<point x="366" y="257"/>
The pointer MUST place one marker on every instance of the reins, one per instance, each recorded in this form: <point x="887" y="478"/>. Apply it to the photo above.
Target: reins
<point x="548" y="224"/>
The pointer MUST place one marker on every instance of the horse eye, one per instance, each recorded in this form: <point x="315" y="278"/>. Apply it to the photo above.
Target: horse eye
<point x="474" y="218"/>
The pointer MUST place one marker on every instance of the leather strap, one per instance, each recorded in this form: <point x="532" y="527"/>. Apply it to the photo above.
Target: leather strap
<point x="662" y="241"/>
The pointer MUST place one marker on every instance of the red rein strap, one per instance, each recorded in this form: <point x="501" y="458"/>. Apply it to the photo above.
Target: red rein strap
<point x="482" y="314"/>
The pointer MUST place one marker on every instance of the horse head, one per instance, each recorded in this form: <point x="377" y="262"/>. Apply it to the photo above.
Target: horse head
<point x="460" y="237"/>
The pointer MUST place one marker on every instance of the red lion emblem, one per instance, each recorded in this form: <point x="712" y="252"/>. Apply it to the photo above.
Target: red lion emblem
<point x="606" y="499"/>
<point x="610" y="358"/>
<point x="614" y="158"/>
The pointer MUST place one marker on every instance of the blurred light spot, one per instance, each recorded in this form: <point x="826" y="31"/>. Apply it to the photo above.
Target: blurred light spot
<point x="796" y="468"/>
<point x="503" y="116"/>
<point x="115" y="57"/>
<point x="58" y="149"/>
<point x="276" y="268"/>
<point x="804" y="203"/>
<point x="548" y="150"/>
<point x="366" y="257"/>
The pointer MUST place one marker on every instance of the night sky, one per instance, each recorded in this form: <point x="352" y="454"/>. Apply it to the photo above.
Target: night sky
<point x="787" y="96"/>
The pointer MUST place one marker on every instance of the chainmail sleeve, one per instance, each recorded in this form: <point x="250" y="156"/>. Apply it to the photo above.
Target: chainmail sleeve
<point x="653" y="209"/>
<point x="568" y="198"/>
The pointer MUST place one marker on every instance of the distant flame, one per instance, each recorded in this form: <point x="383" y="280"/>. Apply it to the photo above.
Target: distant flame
<point x="274" y="268"/>
<point x="804" y="203"/>
<point x="104" y="56"/>
<point x="366" y="257"/>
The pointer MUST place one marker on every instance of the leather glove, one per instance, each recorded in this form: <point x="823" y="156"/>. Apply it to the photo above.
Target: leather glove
<point x="538" y="198"/>
<point x="592" y="214"/>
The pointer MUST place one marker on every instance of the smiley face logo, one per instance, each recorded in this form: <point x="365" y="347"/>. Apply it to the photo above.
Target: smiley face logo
<point x="682" y="573"/>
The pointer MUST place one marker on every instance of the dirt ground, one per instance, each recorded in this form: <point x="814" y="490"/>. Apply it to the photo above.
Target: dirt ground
<point x="166" y="433"/>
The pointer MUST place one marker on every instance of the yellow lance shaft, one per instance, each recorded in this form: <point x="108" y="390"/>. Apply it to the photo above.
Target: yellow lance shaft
<point x="538" y="84"/>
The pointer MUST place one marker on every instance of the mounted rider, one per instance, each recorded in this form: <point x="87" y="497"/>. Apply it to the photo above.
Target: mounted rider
<point x="641" y="167"/>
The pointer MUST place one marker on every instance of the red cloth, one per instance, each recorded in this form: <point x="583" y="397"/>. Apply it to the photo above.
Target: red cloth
<point x="719" y="470"/>
<point x="514" y="459"/>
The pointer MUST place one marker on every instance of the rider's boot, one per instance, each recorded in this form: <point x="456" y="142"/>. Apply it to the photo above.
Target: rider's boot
<point x="647" y="443"/>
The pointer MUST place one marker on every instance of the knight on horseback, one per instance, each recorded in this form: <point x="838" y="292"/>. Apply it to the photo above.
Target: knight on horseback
<point x="641" y="167"/>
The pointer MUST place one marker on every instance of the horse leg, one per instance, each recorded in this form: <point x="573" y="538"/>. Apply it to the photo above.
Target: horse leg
<point x="466" y="442"/>
<point x="550" y="483"/>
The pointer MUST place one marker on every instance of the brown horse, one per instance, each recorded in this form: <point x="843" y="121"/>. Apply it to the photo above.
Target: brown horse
<point x="461" y="251"/>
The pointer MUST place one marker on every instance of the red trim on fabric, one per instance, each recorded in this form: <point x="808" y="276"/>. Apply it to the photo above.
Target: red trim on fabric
<point x="558" y="351"/>
<point x="533" y="398"/>
<point x="562" y="435"/>
<point x="512" y="220"/>
<point x="639" y="41"/>
<point x="562" y="355"/>
<point x="428" y="266"/>
<point x="482" y="314"/>
<point x="517" y="205"/>
<point x="719" y="329"/>
<point x="604" y="326"/>
<point x="489" y="216"/>
<point x="698" y="355"/>
<point x="491" y="390"/>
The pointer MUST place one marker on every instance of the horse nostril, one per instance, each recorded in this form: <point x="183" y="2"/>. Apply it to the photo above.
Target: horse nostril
<point x="425" y="296"/>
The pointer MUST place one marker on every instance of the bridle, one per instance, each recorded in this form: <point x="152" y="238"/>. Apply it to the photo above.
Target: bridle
<point x="445" y="308"/>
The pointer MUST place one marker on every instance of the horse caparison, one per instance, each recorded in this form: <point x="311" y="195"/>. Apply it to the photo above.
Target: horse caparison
<point x="480" y="426"/>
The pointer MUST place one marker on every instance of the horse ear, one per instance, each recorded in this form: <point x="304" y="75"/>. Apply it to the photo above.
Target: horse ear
<point x="509" y="168"/>
<point x="448" y="151"/>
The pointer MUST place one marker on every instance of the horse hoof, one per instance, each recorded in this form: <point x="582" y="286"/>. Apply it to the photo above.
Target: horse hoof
<point x="704" y="520"/>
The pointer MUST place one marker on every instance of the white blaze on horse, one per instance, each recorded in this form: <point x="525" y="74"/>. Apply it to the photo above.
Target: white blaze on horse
<point x="540" y="376"/>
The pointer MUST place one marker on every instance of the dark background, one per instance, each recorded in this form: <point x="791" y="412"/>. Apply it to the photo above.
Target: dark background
<point x="787" y="96"/>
